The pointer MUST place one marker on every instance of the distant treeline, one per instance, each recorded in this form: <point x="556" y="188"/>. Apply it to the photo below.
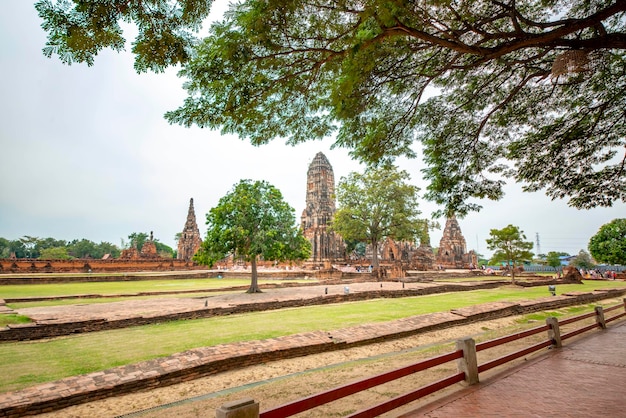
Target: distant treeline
<point x="54" y="249"/>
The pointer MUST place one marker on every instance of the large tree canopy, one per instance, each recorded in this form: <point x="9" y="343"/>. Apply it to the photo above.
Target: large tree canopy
<point x="249" y="222"/>
<point x="377" y="205"/>
<point x="608" y="245"/>
<point x="533" y="90"/>
<point x="78" y="30"/>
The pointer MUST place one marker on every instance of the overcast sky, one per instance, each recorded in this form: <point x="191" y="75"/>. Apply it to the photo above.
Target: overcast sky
<point x="85" y="153"/>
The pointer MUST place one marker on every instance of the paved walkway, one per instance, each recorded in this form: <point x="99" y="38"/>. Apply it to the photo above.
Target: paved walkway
<point x="586" y="378"/>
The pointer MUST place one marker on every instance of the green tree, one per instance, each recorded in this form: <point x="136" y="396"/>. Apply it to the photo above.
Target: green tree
<point x="54" y="253"/>
<point x="582" y="261"/>
<point x="553" y="259"/>
<point x="355" y="247"/>
<point x="540" y="83"/>
<point x="78" y="31"/>
<point x="107" y="248"/>
<point x="252" y="221"/>
<point x="83" y="248"/>
<point x="30" y="244"/>
<point x="608" y="245"/>
<point x="4" y="248"/>
<point x="376" y="205"/>
<point x="163" y="250"/>
<point x="510" y="246"/>
<point x="17" y="247"/>
<point x="45" y="243"/>
<point x="136" y="240"/>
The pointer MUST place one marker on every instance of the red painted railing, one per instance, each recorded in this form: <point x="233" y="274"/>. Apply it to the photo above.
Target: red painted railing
<point x="313" y="401"/>
<point x="331" y="395"/>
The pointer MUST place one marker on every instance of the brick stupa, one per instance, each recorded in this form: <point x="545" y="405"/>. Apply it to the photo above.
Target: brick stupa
<point x="452" y="248"/>
<point x="190" y="240"/>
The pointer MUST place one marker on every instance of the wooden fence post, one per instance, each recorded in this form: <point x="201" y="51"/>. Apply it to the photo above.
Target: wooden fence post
<point x="554" y="333"/>
<point x="243" y="408"/>
<point x="468" y="364"/>
<point x="600" y="317"/>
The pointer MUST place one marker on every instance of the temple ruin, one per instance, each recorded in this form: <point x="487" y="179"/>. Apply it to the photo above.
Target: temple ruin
<point x="452" y="249"/>
<point x="411" y="256"/>
<point x="319" y="211"/>
<point x="147" y="251"/>
<point x="190" y="240"/>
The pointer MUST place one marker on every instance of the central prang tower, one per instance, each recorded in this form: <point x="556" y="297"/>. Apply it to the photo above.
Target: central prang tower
<point x="319" y="211"/>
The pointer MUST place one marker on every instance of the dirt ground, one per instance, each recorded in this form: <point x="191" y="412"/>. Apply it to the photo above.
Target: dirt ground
<point x="281" y="381"/>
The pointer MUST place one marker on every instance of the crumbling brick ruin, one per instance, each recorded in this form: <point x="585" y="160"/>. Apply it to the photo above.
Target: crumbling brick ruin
<point x="452" y="251"/>
<point x="412" y="257"/>
<point x="148" y="251"/>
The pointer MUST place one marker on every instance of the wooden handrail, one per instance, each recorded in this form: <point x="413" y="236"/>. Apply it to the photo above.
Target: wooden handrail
<point x="512" y="356"/>
<point x="578" y="331"/>
<point x="313" y="401"/>
<point x="509" y="338"/>
<point x="612" y="308"/>
<point x="316" y="400"/>
<point x="409" y="397"/>
<point x="613" y="318"/>
<point x="577" y="318"/>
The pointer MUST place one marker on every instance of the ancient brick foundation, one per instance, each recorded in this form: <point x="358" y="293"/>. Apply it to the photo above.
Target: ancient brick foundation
<point x="34" y="331"/>
<point x="93" y="266"/>
<point x="206" y="361"/>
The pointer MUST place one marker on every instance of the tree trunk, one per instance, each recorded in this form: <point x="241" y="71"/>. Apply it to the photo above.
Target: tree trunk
<point x="254" y="284"/>
<point x="512" y="271"/>
<point x="375" y="255"/>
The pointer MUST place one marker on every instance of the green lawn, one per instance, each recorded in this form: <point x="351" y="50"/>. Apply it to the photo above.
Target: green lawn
<point x="123" y="287"/>
<point x="88" y="301"/>
<point x="6" y="319"/>
<point x="28" y="363"/>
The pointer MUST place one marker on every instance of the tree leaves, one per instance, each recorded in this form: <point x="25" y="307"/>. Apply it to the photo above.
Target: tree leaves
<point x="365" y="71"/>
<point x="510" y="246"/>
<point x="608" y="245"/>
<point x="78" y="30"/>
<point x="376" y="205"/>
<point x="250" y="221"/>
<point x="508" y="242"/>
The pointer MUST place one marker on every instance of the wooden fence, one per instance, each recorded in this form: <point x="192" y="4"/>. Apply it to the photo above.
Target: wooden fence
<point x="468" y="370"/>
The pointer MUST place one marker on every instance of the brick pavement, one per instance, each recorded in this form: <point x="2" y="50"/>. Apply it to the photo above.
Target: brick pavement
<point x="585" y="378"/>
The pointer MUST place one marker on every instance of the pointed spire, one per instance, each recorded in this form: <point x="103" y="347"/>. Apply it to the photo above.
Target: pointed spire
<point x="191" y="216"/>
<point x="190" y="239"/>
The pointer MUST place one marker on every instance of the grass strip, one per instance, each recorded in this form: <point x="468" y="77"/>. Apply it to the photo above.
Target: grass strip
<point x="124" y="287"/>
<point x="10" y="318"/>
